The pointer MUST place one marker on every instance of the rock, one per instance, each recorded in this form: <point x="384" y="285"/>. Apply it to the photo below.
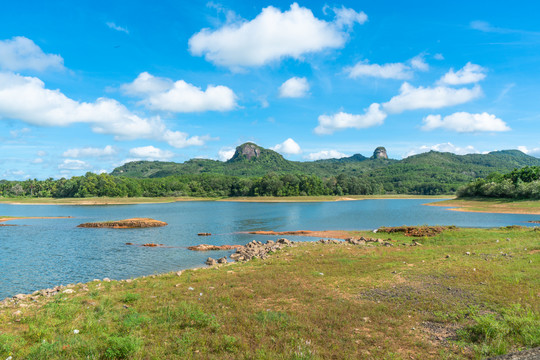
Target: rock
<point x="17" y="313"/>
<point x="468" y="253"/>
<point x="204" y="234"/>
<point x="106" y="280"/>
<point x="20" y="297"/>
<point x="447" y="256"/>
<point x="211" y="262"/>
<point x="179" y="273"/>
<point x="68" y="291"/>
<point x="380" y="153"/>
<point x="222" y="260"/>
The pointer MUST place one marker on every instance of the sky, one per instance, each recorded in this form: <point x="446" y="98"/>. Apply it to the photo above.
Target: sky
<point x="89" y="85"/>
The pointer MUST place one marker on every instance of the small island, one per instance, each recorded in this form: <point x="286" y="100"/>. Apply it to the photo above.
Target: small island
<point x="133" y="223"/>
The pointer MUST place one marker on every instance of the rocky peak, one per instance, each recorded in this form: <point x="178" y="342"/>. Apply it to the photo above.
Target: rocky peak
<point x="380" y="153"/>
<point x="247" y="151"/>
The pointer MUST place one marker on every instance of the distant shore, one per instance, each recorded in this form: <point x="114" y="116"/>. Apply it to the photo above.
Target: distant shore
<point x="497" y="206"/>
<point x="158" y="200"/>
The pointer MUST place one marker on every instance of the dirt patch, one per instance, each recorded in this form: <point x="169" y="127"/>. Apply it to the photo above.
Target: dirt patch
<point x="125" y="224"/>
<point x="335" y="234"/>
<point x="416" y="231"/>
<point x="440" y="332"/>
<point x="206" y="247"/>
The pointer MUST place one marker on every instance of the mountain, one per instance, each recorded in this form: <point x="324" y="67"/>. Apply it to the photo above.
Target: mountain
<point x="431" y="172"/>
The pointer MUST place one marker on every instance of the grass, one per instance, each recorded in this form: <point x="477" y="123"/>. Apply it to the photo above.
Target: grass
<point x="311" y="301"/>
<point x="507" y="206"/>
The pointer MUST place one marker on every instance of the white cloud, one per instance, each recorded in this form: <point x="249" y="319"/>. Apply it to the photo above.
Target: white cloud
<point x="113" y="26"/>
<point x="529" y="151"/>
<point x="225" y="154"/>
<point x="325" y="154"/>
<point x="419" y="63"/>
<point x="20" y="53"/>
<point x="470" y="73"/>
<point x="385" y="71"/>
<point x="151" y="153"/>
<point x="373" y="116"/>
<point x="71" y="164"/>
<point x="271" y="36"/>
<point x="438" y="56"/>
<point x="464" y="122"/>
<point x="444" y="147"/>
<point x="289" y="147"/>
<point x="37" y="161"/>
<point x="295" y="87"/>
<point x="165" y="95"/>
<point x="90" y="152"/>
<point x="17" y="133"/>
<point x="41" y="153"/>
<point x="399" y="71"/>
<point x="411" y="98"/>
<point x="346" y="18"/>
<point x="26" y="99"/>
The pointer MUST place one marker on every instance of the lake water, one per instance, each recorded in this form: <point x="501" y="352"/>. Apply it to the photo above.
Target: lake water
<point x="42" y="253"/>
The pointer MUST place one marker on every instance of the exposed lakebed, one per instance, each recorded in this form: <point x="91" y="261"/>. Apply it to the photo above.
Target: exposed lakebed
<point x="50" y="252"/>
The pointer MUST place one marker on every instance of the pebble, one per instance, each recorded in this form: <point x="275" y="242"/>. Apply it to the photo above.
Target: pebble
<point x="190" y="288"/>
<point x="75" y="331"/>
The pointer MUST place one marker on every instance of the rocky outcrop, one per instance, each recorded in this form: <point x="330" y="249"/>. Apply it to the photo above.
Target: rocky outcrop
<point x="125" y="224"/>
<point x="258" y="250"/>
<point x="380" y="153"/>
<point x="247" y="151"/>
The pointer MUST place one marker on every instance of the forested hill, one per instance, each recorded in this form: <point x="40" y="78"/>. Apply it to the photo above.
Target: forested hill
<point x="252" y="160"/>
<point x="445" y="171"/>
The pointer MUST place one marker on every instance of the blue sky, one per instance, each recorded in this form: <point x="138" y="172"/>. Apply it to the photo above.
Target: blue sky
<point x="89" y="85"/>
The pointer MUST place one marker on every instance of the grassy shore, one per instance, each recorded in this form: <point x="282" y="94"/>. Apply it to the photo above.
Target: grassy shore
<point x="149" y="200"/>
<point x="98" y="200"/>
<point x="463" y="294"/>
<point x="503" y="206"/>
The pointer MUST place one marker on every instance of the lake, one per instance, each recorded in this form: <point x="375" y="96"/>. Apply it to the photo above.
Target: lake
<point x="42" y="253"/>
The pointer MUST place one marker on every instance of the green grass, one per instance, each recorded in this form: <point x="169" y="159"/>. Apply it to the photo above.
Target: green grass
<point x="312" y="301"/>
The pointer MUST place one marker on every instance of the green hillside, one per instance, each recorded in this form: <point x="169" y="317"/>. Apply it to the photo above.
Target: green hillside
<point x="427" y="173"/>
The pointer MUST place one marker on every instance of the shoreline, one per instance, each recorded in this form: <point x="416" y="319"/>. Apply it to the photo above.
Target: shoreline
<point x="491" y="206"/>
<point x="10" y="218"/>
<point x="95" y="201"/>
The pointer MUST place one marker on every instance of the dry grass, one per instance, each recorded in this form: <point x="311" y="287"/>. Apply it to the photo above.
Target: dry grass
<point x="311" y="301"/>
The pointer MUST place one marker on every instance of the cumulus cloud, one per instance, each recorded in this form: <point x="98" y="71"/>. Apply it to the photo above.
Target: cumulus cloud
<point x="530" y="151"/>
<point x="27" y="99"/>
<point x="289" y="147"/>
<point x="399" y="71"/>
<point x="179" y="96"/>
<point x="325" y="154"/>
<point x="113" y="26"/>
<point x="151" y="153"/>
<point x="295" y="87"/>
<point x="21" y="53"/>
<point x="72" y="164"/>
<point x="225" y="154"/>
<point x="90" y="152"/>
<point x="271" y="36"/>
<point x="444" y="147"/>
<point x="465" y="122"/>
<point x="412" y="98"/>
<point x="470" y="73"/>
<point x="373" y="116"/>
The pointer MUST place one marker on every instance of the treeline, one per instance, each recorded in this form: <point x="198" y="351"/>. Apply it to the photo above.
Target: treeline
<point x="201" y="185"/>
<point x="521" y="183"/>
